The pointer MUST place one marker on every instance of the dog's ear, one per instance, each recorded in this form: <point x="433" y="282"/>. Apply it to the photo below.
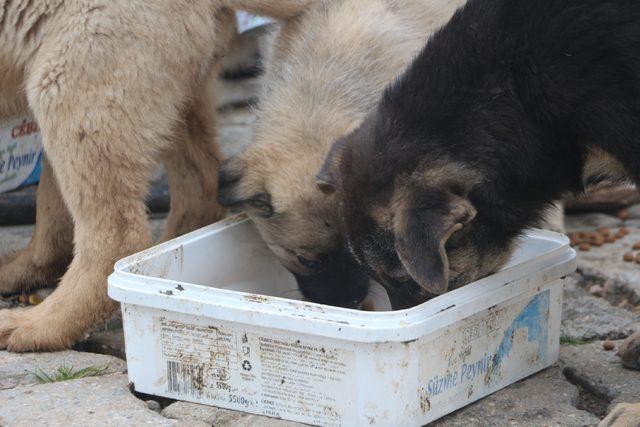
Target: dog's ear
<point x="423" y="223"/>
<point x="234" y="190"/>
<point x="326" y="178"/>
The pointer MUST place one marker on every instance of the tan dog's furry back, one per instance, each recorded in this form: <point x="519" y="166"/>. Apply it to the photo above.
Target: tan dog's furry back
<point x="115" y="86"/>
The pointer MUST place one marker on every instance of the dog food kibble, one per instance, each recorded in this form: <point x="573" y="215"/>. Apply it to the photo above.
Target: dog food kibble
<point x="608" y="345"/>
<point x="604" y="230"/>
<point x="623" y="214"/>
<point x="34" y="299"/>
<point x="610" y="238"/>
<point x="584" y="247"/>
<point x="636" y="246"/>
<point x="628" y="257"/>
<point x="637" y="259"/>
<point x="597" y="240"/>
<point x="624" y="230"/>
<point x="620" y="234"/>
<point x="573" y="237"/>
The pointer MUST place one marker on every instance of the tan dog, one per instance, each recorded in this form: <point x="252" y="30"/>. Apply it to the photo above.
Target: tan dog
<point x="327" y="70"/>
<point x="114" y="86"/>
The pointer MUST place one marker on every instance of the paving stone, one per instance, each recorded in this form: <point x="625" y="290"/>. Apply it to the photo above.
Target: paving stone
<point x="544" y="399"/>
<point x="92" y="401"/>
<point x="18" y="368"/>
<point x="600" y="373"/>
<point x="587" y="317"/>
<point x="191" y="412"/>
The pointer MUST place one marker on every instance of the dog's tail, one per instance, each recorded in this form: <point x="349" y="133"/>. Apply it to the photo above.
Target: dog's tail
<point x="279" y="9"/>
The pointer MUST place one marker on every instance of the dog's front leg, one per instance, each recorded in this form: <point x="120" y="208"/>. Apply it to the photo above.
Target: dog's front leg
<point x="103" y="184"/>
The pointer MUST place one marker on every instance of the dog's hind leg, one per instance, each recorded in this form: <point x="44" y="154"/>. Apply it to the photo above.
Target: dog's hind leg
<point x="192" y="168"/>
<point x="102" y="165"/>
<point x="49" y="253"/>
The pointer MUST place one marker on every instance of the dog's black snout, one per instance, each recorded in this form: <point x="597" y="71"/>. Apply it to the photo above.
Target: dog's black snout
<point x="339" y="281"/>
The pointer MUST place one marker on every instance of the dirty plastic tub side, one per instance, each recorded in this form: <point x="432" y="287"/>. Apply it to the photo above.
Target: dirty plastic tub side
<point x="325" y="365"/>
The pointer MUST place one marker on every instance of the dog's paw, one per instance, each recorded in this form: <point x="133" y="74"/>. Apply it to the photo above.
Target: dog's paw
<point x="623" y="415"/>
<point x="19" y="273"/>
<point x="629" y="352"/>
<point x="23" y="329"/>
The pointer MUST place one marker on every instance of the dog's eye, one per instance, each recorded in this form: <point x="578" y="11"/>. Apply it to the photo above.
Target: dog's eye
<point x="315" y="264"/>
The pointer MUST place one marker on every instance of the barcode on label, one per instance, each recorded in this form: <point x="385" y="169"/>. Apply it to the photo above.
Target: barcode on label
<point x="184" y="378"/>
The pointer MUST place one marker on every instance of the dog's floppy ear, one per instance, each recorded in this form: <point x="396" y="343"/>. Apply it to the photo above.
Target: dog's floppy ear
<point x="235" y="192"/>
<point x="423" y="222"/>
<point x="326" y="178"/>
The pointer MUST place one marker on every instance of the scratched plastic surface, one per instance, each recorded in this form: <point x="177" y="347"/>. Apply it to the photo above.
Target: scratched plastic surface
<point x="212" y="317"/>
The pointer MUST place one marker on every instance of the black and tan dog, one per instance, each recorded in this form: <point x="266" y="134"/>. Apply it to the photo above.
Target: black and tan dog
<point x="499" y="116"/>
<point x="507" y="108"/>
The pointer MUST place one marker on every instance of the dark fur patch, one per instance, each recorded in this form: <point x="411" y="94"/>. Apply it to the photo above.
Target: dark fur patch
<point x="517" y="91"/>
<point x="340" y="283"/>
<point x="231" y="194"/>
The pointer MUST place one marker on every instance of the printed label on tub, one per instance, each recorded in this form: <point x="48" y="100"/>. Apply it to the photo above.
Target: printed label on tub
<point x="20" y="153"/>
<point x="490" y="350"/>
<point x="287" y="378"/>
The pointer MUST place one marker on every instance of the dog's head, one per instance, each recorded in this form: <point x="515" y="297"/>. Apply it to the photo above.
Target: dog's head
<point x="410" y="216"/>
<point x="276" y="188"/>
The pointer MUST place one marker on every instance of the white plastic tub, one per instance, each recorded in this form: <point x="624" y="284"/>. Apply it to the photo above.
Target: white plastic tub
<point x="207" y="320"/>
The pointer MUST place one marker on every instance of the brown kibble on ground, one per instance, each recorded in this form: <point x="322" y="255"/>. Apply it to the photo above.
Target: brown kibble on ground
<point x="610" y="238"/>
<point x="624" y="230"/>
<point x="608" y="345"/>
<point x="34" y="299"/>
<point x="597" y="240"/>
<point x="628" y="257"/>
<point x="575" y="238"/>
<point x="638" y="258"/>
<point x="636" y="246"/>
<point x="623" y="214"/>
<point x="584" y="247"/>
<point x="604" y="230"/>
